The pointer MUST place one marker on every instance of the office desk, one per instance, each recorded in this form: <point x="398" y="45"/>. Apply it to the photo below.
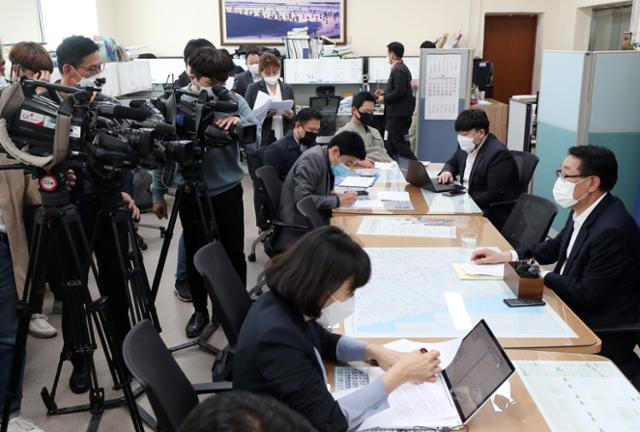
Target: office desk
<point x="427" y="311"/>
<point x="512" y="407"/>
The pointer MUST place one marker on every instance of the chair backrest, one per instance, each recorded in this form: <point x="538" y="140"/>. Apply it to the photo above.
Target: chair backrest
<point x="255" y="160"/>
<point x="526" y="163"/>
<point x="327" y="90"/>
<point x="142" y="189"/>
<point x="268" y="179"/>
<point x="170" y="393"/>
<point x="309" y="210"/>
<point x="230" y="299"/>
<point x="322" y="102"/>
<point x="529" y="221"/>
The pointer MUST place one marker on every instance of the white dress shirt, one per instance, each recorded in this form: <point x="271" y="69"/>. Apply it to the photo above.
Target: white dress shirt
<point x="471" y="158"/>
<point x="277" y="125"/>
<point x="3" y="226"/>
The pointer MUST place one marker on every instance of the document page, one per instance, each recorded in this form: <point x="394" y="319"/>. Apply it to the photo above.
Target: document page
<point x="407" y="227"/>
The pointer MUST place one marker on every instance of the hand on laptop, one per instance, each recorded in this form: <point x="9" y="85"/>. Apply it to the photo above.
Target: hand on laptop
<point x="445" y="177"/>
<point x="347" y="199"/>
<point x="489" y="256"/>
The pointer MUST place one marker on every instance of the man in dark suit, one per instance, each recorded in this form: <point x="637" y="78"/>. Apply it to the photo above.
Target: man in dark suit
<point x="283" y="153"/>
<point x="251" y="75"/>
<point x="484" y="164"/>
<point x="398" y="103"/>
<point x="183" y="79"/>
<point x="597" y="254"/>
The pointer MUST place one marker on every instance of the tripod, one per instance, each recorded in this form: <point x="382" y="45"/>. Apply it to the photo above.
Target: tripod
<point x="59" y="221"/>
<point x="191" y="174"/>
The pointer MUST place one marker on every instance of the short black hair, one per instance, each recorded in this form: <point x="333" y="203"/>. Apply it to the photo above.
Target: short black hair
<point x="597" y="161"/>
<point x="350" y="144"/>
<point x="73" y="50"/>
<point x="211" y="63"/>
<point x="241" y="411"/>
<point x="315" y="267"/>
<point x="427" y="44"/>
<point x="472" y="119"/>
<point x="397" y="48"/>
<point x="306" y="114"/>
<point x="361" y="98"/>
<point x="252" y="51"/>
<point x="193" y="45"/>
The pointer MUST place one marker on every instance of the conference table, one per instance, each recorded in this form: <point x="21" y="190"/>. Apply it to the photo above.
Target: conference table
<point x="554" y="402"/>
<point x="567" y="333"/>
<point x="423" y="202"/>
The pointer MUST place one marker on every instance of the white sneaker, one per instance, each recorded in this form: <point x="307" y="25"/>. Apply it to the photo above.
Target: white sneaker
<point x="21" y="424"/>
<point x="40" y="327"/>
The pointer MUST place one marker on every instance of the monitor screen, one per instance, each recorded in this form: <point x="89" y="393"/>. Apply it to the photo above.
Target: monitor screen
<point x="479" y="367"/>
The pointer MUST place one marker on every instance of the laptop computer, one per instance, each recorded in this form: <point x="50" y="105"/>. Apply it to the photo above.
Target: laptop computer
<point x="477" y="370"/>
<point x="416" y="174"/>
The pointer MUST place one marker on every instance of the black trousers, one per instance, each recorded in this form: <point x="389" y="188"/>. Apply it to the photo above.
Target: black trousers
<point x="397" y="144"/>
<point x="228" y="211"/>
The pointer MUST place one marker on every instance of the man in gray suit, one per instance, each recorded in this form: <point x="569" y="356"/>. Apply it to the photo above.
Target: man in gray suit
<point x="314" y="175"/>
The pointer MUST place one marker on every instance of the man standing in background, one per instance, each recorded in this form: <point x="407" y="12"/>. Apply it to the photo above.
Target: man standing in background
<point x="398" y="103"/>
<point x="251" y="75"/>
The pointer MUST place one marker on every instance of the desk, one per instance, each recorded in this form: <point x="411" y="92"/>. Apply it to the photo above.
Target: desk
<point x="479" y="298"/>
<point x="512" y="407"/>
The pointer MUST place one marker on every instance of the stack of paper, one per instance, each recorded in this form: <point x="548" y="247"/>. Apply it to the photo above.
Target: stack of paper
<point x="357" y="181"/>
<point x="264" y="103"/>
<point x="470" y="271"/>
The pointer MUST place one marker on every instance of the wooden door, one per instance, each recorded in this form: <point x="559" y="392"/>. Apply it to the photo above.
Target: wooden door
<point x="510" y="43"/>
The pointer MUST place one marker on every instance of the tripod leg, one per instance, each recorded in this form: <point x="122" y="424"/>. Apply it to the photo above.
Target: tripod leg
<point x="168" y="234"/>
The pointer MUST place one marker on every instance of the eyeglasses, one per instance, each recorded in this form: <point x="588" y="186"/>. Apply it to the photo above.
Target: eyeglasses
<point x="94" y="69"/>
<point x="564" y="176"/>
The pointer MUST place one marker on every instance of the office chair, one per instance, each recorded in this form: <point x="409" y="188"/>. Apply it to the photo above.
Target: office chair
<point x="144" y="202"/>
<point x="322" y="102"/>
<point x="632" y="329"/>
<point x="170" y="393"/>
<point x="255" y="160"/>
<point x="272" y="185"/>
<point x="526" y="163"/>
<point x="309" y="210"/>
<point x="529" y="222"/>
<point x="327" y="90"/>
<point x="231" y="301"/>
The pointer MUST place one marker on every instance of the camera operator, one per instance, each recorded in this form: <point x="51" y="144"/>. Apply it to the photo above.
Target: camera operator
<point x="222" y="176"/>
<point x="79" y="63"/>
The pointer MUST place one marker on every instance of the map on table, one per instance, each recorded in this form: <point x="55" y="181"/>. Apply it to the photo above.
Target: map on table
<point x="459" y="204"/>
<point x="415" y="292"/>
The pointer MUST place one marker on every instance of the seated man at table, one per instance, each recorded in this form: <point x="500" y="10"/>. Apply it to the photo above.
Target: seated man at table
<point x="361" y="120"/>
<point x="484" y="164"/>
<point x="283" y="153"/>
<point x="597" y="254"/>
<point x="314" y="175"/>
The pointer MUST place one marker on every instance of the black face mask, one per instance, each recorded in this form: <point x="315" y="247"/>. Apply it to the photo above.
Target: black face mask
<point x="366" y="118"/>
<point x="309" y="139"/>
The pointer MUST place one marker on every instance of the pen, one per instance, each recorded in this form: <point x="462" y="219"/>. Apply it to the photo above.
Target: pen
<point x="424" y="350"/>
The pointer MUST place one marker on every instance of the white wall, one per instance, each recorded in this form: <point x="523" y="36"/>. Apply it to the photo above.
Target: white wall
<point x="19" y="21"/>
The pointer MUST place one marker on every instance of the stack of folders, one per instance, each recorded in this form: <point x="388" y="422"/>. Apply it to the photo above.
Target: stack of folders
<point x="299" y="45"/>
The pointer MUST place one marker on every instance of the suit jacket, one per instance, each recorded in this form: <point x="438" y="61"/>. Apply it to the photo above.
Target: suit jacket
<point x="282" y="154"/>
<point x="275" y="356"/>
<point x="494" y="176"/>
<point x="242" y="82"/>
<point x="601" y="281"/>
<point x="398" y="96"/>
<point x="252" y="93"/>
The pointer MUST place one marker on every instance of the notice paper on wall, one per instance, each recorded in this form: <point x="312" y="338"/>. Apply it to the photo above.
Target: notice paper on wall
<point x="407" y="227"/>
<point x="442" y="86"/>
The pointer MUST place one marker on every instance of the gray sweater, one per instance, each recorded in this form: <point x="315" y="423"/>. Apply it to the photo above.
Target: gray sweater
<point x="221" y="170"/>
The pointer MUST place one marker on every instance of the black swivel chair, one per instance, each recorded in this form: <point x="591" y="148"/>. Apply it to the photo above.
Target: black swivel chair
<point x="170" y="393"/>
<point x="255" y="160"/>
<point x="328" y="107"/>
<point x="272" y="185"/>
<point x="308" y="209"/>
<point x="231" y="301"/>
<point x="529" y="222"/>
<point x="526" y="163"/>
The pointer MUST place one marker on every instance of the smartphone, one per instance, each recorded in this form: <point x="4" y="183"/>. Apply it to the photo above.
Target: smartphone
<point x="362" y="193"/>
<point x="523" y="302"/>
<point x="454" y="193"/>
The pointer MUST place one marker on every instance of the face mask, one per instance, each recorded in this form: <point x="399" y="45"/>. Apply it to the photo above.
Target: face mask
<point x="340" y="170"/>
<point x="336" y="312"/>
<point x="253" y="69"/>
<point x="466" y="143"/>
<point x="309" y="139"/>
<point x="366" y="118"/>
<point x="563" y="192"/>
<point x="271" y="80"/>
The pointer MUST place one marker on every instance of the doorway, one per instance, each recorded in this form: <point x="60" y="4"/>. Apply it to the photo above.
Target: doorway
<point x="510" y="43"/>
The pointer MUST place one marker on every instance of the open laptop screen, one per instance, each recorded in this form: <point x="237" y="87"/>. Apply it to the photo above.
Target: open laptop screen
<point x="478" y="369"/>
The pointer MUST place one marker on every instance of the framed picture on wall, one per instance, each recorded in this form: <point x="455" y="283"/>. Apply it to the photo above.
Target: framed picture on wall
<point x="266" y="22"/>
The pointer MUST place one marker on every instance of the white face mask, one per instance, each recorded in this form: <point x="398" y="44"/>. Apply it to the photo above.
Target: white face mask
<point x="271" y="80"/>
<point x="200" y="88"/>
<point x="466" y="143"/>
<point x="563" y="192"/>
<point x="336" y="312"/>
<point x="253" y="69"/>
